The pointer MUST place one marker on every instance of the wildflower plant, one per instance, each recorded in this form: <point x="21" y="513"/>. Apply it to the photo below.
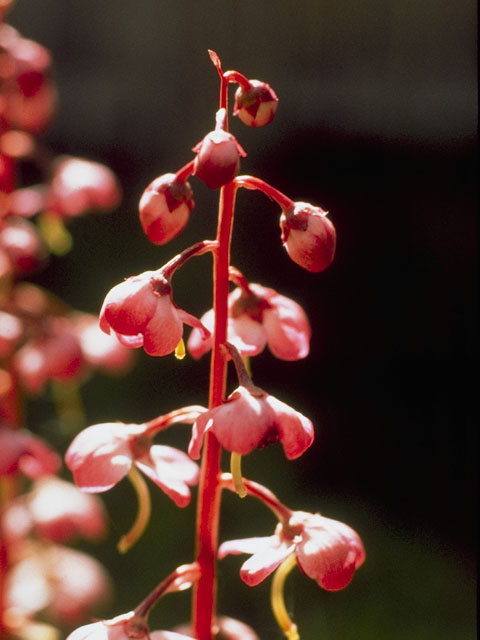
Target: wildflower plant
<point x="141" y="313"/>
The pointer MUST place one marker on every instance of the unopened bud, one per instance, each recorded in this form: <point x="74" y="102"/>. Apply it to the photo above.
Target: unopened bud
<point x="165" y="208"/>
<point x="308" y="236"/>
<point x="255" y="106"/>
<point x="218" y="158"/>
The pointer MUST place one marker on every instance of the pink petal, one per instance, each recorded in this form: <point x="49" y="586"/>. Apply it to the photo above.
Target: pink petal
<point x="247" y="335"/>
<point x="130" y="305"/>
<point x="268" y="553"/>
<point x="295" y="430"/>
<point x="287" y="329"/>
<point x="246" y="545"/>
<point x="192" y="321"/>
<point x="197" y="344"/>
<point x="203" y="424"/>
<point x="100" y="455"/>
<point x="164" y="331"/>
<point x="170" y="469"/>
<point x="263" y="563"/>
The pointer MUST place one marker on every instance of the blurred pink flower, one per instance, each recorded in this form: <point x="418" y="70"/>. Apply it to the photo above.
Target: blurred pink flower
<point x="101" y="455"/>
<point x="22" y="451"/>
<point x="66" y="584"/>
<point x="78" y="186"/>
<point x="326" y="550"/>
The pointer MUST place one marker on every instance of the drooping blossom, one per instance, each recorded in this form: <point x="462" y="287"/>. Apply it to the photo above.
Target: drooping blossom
<point x="21" y="248"/>
<point x="101" y="455"/>
<point x="11" y="330"/>
<point x="252" y="418"/>
<point x="258" y="316"/>
<point x="256" y="105"/>
<point x="99" y="349"/>
<point x="24" y="452"/>
<point x="64" y="583"/>
<point x="56" y="510"/>
<point x="79" y="185"/>
<point x="142" y="313"/>
<point x="218" y="155"/>
<point x="326" y="550"/>
<point x="28" y="93"/>
<point x="308" y="236"/>
<point x="54" y="354"/>
<point x="165" y="207"/>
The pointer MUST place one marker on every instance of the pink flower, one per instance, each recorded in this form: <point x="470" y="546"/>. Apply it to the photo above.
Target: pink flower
<point x="11" y="330"/>
<point x="251" y="418"/>
<point x="22" y="451"/>
<point x="64" y="583"/>
<point x="258" y="316"/>
<point x="78" y="186"/>
<point x="20" y="245"/>
<point x="101" y="455"/>
<point x="98" y="348"/>
<point x="59" y="511"/>
<point x="54" y="355"/>
<point x="308" y="236"/>
<point x="141" y="312"/>
<point x="218" y="155"/>
<point x="257" y="105"/>
<point x="165" y="207"/>
<point x="326" y="550"/>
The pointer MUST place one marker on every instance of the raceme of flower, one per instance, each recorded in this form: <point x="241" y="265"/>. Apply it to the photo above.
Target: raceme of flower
<point x="43" y="342"/>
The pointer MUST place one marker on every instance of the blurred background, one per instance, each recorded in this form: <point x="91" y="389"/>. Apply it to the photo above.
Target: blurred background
<point x="377" y="124"/>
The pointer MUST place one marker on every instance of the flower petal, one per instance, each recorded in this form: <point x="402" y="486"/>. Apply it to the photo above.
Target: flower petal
<point x="100" y="455"/>
<point x="170" y="469"/>
<point x="295" y="430"/>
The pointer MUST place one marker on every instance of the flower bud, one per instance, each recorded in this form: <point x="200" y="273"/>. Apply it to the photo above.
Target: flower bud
<point x="218" y="158"/>
<point x="165" y="207"/>
<point x="308" y="236"/>
<point x="255" y="106"/>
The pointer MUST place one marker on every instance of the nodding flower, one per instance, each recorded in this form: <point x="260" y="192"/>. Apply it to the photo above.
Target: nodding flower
<point x="326" y="550"/>
<point x="259" y="316"/>
<point x="141" y="312"/>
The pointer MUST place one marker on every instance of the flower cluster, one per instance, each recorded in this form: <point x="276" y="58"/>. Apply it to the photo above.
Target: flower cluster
<point x="44" y="346"/>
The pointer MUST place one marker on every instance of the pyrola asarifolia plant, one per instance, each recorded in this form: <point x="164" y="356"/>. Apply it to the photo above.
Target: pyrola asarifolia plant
<point x="141" y="312"/>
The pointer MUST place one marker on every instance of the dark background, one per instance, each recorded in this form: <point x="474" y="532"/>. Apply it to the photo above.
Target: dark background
<point x="377" y="124"/>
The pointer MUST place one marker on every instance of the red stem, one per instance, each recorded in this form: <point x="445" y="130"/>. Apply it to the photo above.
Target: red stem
<point x="260" y="492"/>
<point x="250" y="182"/>
<point x="208" y="510"/>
